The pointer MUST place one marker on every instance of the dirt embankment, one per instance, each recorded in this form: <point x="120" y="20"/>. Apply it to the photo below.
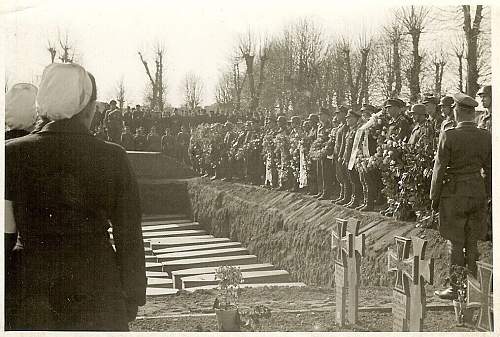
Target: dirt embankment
<point x="292" y="231"/>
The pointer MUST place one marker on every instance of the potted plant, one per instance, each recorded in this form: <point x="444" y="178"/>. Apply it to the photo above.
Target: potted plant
<point x="458" y="280"/>
<point x="226" y="302"/>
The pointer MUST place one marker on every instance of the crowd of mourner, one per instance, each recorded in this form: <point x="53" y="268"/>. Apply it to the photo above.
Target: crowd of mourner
<point x="358" y="157"/>
<point x="64" y="185"/>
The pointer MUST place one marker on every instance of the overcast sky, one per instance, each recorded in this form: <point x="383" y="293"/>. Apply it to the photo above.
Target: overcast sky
<point x="198" y="35"/>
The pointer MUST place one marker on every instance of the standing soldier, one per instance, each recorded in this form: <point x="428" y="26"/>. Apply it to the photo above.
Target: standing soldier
<point x="312" y="177"/>
<point x="368" y="147"/>
<point x="226" y="161"/>
<point x="419" y="114"/>
<point x="399" y="126"/>
<point x="446" y="105"/>
<point x="282" y="150"/>
<point x="295" y="138"/>
<point x="353" y="118"/>
<point x="268" y="152"/>
<point x="338" y="150"/>
<point x="304" y="158"/>
<point x="114" y="121"/>
<point x="324" y="164"/>
<point x="458" y="189"/>
<point x="484" y="121"/>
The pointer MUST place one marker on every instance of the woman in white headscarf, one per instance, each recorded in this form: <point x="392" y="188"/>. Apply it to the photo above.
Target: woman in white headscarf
<point x="63" y="188"/>
<point x="20" y="110"/>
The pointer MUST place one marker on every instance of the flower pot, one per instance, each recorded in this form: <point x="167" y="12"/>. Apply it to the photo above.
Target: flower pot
<point x="228" y="320"/>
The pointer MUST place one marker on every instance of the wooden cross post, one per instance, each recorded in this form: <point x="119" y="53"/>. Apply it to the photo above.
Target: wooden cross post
<point x="339" y="247"/>
<point x="400" y="263"/>
<point x="479" y="295"/>
<point x="355" y="250"/>
<point x="423" y="272"/>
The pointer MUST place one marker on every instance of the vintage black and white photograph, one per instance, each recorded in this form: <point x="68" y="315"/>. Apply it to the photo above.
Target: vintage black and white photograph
<point x="247" y="166"/>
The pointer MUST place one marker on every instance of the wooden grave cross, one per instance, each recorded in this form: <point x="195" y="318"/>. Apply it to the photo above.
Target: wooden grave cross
<point x="400" y="263"/>
<point x="479" y="295"/>
<point x="339" y="247"/>
<point x="423" y="272"/>
<point x="355" y="250"/>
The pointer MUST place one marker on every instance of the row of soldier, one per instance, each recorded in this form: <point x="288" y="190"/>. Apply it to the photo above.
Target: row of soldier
<point x="339" y="155"/>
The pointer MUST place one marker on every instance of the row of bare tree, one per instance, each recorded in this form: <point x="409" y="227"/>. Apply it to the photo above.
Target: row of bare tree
<point x="300" y="69"/>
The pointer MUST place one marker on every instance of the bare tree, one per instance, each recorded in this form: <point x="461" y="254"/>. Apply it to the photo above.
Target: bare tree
<point x="356" y="71"/>
<point x="439" y="62"/>
<point x="394" y="34"/>
<point x="157" y="85"/>
<point x="52" y="51"/>
<point x="193" y="91"/>
<point x="224" y="92"/>
<point x="458" y="50"/>
<point x="120" y="93"/>
<point x="472" y="32"/>
<point x="414" y="20"/>
<point x="67" y="53"/>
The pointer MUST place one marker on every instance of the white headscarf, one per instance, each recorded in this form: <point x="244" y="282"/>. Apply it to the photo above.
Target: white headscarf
<point x="65" y="89"/>
<point x="20" y="109"/>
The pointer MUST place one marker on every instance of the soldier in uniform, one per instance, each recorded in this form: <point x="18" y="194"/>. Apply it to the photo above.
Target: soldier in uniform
<point x="399" y="126"/>
<point x="226" y="162"/>
<point x="295" y="137"/>
<point x="114" y="121"/>
<point x="484" y="121"/>
<point x="419" y="114"/>
<point x="446" y="105"/>
<point x="63" y="189"/>
<point x="324" y="164"/>
<point x="353" y="122"/>
<point x="458" y="189"/>
<point x="341" y="170"/>
<point x="282" y="150"/>
<point x="313" y="171"/>
<point x="369" y="177"/>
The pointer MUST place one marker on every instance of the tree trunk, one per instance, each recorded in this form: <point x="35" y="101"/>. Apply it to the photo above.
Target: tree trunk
<point x="415" y="67"/>
<point x="398" y="85"/>
<point x="361" y="79"/>
<point x="471" y="38"/>
<point x="251" y="82"/>
<point x="460" y="72"/>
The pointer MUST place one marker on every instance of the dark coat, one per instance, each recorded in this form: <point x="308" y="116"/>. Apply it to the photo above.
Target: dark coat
<point x="67" y="187"/>
<point x="463" y="152"/>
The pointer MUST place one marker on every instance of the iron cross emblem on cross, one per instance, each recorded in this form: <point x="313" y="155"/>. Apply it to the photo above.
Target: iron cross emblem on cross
<point x="400" y="262"/>
<point x="479" y="295"/>
<point x="339" y="243"/>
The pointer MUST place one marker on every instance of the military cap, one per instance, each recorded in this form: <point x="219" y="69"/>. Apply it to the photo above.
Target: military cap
<point x="418" y="109"/>
<point x="485" y="90"/>
<point x="368" y="107"/>
<point x="464" y="100"/>
<point x="395" y="102"/>
<point x="295" y="119"/>
<point x="446" y="101"/>
<point x="324" y="111"/>
<point x="312" y="117"/>
<point x="354" y="113"/>
<point x="112" y="101"/>
<point x="430" y="99"/>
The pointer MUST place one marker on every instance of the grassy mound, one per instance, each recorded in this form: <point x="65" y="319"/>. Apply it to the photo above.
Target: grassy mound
<point x="292" y="230"/>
